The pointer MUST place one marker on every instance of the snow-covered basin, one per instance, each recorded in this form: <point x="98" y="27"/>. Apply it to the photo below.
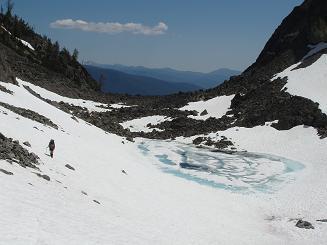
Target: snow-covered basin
<point x="147" y="205"/>
<point x="242" y="172"/>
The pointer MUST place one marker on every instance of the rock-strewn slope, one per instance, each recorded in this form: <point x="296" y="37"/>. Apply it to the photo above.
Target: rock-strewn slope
<point x="12" y="151"/>
<point x="29" y="114"/>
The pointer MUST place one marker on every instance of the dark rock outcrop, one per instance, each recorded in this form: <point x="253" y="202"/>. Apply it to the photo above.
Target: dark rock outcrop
<point x="205" y="112"/>
<point x="96" y="201"/>
<point x="304" y="224"/>
<point x="29" y="114"/>
<point x="4" y="89"/>
<point x="12" y="151"/>
<point x="307" y="24"/>
<point x="43" y="176"/>
<point x="6" y="74"/>
<point x="70" y="167"/>
<point x="6" y="172"/>
<point x="27" y="143"/>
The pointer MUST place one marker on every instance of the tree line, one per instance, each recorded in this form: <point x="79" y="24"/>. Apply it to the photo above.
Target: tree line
<point x="47" y="53"/>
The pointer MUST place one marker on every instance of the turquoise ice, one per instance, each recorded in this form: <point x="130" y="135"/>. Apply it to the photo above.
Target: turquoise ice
<point x="238" y="172"/>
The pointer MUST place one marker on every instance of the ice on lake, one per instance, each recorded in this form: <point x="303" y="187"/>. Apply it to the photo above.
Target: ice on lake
<point x="238" y="172"/>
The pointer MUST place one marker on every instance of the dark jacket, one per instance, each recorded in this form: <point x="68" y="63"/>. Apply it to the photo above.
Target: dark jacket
<point x="52" y="145"/>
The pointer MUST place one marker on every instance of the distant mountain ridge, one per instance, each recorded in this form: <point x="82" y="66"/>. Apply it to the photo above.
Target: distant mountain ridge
<point x="115" y="81"/>
<point x="200" y="79"/>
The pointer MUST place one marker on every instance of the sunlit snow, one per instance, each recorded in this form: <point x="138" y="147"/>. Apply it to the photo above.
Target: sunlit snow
<point x="309" y="82"/>
<point x="216" y="107"/>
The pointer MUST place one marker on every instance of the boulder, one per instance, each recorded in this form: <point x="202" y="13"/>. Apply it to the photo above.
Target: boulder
<point x="304" y="224"/>
<point x="6" y="172"/>
<point x="70" y="167"/>
<point x="205" y="112"/>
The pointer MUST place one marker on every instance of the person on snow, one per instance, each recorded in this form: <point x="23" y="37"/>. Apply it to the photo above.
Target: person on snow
<point x="51" y="146"/>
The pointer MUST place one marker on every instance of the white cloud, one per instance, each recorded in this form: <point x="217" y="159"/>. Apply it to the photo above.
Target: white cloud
<point x="110" y="27"/>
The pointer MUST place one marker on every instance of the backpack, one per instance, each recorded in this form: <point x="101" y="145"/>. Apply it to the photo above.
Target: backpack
<point x="51" y="145"/>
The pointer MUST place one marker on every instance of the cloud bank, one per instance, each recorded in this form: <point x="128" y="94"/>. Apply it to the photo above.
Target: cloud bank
<point x="110" y="27"/>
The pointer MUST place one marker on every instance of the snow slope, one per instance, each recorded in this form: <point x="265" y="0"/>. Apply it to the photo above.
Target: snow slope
<point x="216" y="107"/>
<point x="309" y="82"/>
<point x="146" y="205"/>
<point x="90" y="105"/>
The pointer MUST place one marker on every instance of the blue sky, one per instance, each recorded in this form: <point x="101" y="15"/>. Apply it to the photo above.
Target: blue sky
<point x="202" y="35"/>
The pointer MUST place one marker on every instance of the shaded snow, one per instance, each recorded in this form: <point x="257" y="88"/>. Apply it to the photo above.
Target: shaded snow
<point x="315" y="49"/>
<point x="216" y="107"/>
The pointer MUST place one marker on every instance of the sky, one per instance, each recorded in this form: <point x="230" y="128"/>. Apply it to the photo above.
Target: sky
<point x="182" y="34"/>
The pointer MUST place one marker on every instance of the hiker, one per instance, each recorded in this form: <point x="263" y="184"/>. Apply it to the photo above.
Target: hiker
<point x="51" y="146"/>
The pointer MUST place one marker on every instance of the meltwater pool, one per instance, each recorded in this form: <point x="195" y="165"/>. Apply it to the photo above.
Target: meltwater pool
<point x="237" y="172"/>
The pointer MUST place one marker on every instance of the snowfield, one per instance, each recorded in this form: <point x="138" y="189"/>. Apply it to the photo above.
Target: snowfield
<point x="140" y="124"/>
<point x="309" y="82"/>
<point x="147" y="205"/>
<point x="216" y="107"/>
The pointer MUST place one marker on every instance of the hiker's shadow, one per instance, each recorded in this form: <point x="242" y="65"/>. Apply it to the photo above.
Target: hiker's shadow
<point x="47" y="154"/>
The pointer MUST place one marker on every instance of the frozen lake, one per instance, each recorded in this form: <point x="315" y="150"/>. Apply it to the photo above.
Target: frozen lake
<point x="238" y="172"/>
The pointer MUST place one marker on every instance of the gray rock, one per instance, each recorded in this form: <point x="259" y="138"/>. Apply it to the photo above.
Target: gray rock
<point x="4" y="89"/>
<point x="130" y="139"/>
<point x="70" y="167"/>
<point x="11" y="155"/>
<point x="29" y="114"/>
<point x="96" y="201"/>
<point x="43" y="176"/>
<point x="74" y="118"/>
<point x="27" y="143"/>
<point x="205" y="112"/>
<point x="304" y="224"/>
<point x="13" y="152"/>
<point x="6" y="172"/>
